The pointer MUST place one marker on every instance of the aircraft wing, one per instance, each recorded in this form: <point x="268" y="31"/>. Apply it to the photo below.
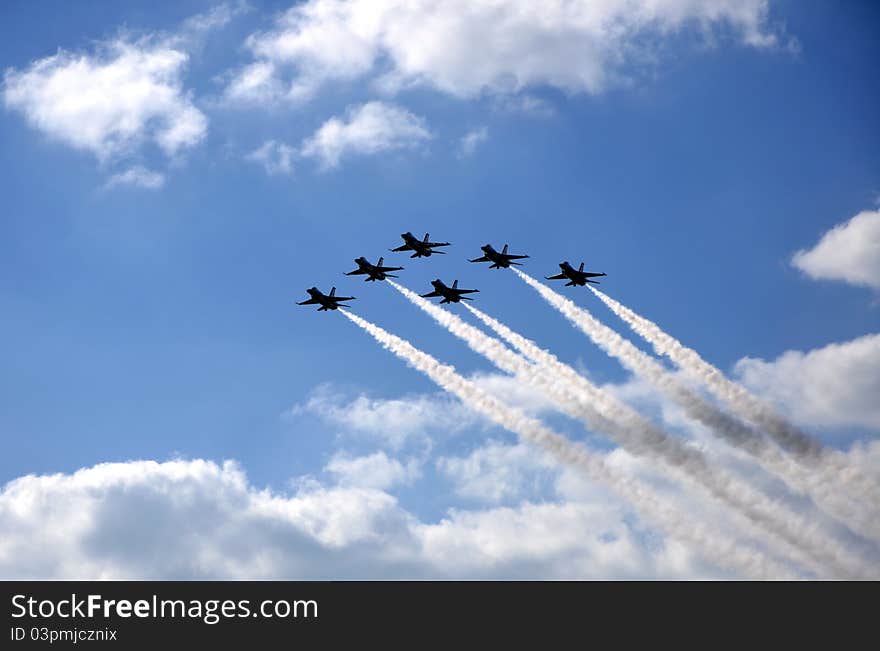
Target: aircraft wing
<point x="433" y="294"/>
<point x="356" y="272"/>
<point x="557" y="277"/>
<point x="467" y="291"/>
<point x="516" y="257"/>
<point x="311" y="301"/>
<point x="587" y="274"/>
<point x="343" y="298"/>
<point x="433" y="244"/>
<point x="483" y="259"/>
<point x="404" y="247"/>
<point x="383" y="269"/>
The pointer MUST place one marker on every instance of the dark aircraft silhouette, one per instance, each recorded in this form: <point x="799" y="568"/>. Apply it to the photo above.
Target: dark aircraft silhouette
<point x="421" y="247"/>
<point x="327" y="302"/>
<point x="498" y="260"/>
<point x="374" y="271"/>
<point x="575" y="276"/>
<point x="450" y="294"/>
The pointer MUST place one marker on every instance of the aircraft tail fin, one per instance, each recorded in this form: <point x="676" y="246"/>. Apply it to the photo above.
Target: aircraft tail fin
<point x="333" y="292"/>
<point x="455" y="284"/>
<point x="504" y="250"/>
<point x="426" y="237"/>
<point x="381" y="260"/>
<point x="581" y="268"/>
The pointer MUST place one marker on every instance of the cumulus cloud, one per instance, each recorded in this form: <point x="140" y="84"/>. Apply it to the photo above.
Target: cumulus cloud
<point x="138" y="177"/>
<point x="834" y="386"/>
<point x="471" y="140"/>
<point x="849" y="252"/>
<point x="110" y="102"/>
<point x="367" y="129"/>
<point x="573" y="45"/>
<point x="376" y="470"/>
<point x="275" y="157"/>
<point x="200" y="520"/>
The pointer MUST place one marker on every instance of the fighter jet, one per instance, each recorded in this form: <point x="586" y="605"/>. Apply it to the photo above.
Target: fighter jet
<point x="327" y="302"/>
<point x="421" y="247"/>
<point x="575" y="276"/>
<point x="498" y="260"/>
<point x="450" y="294"/>
<point x="374" y="271"/>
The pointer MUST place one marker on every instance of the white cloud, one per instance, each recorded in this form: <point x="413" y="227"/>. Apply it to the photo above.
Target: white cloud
<point x="376" y="470"/>
<point x="395" y="421"/>
<point x="367" y="129"/>
<point x="275" y="157"/>
<point x="573" y="45"/>
<point x="111" y="102"/>
<point x="834" y="386"/>
<point x="471" y="140"/>
<point x="497" y="472"/>
<point x="138" y="177"/>
<point x="200" y="520"/>
<point x="849" y="252"/>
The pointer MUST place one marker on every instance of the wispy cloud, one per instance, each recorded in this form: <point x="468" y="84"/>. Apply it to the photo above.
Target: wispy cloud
<point x="275" y="157"/>
<point x="396" y="422"/>
<point x="471" y="140"/>
<point x="138" y="177"/>
<point x="366" y="129"/>
<point x="376" y="470"/>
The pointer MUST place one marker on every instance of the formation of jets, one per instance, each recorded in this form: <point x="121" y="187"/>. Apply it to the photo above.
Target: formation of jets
<point x="424" y="248"/>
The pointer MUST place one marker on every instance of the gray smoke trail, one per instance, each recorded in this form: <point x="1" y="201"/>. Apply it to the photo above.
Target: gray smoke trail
<point x="792" y="527"/>
<point x="714" y="546"/>
<point x="644" y="433"/>
<point x="785" y="530"/>
<point x="805" y="447"/>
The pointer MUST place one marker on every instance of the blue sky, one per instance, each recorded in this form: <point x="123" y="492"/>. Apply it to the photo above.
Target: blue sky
<point x="153" y="323"/>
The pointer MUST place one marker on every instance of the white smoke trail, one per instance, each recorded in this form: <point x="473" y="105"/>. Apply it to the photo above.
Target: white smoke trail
<point x="793" y="527"/>
<point x="748" y="405"/>
<point x="715" y="547"/>
<point x="786" y="531"/>
<point x="827" y="470"/>
<point x="671" y="449"/>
